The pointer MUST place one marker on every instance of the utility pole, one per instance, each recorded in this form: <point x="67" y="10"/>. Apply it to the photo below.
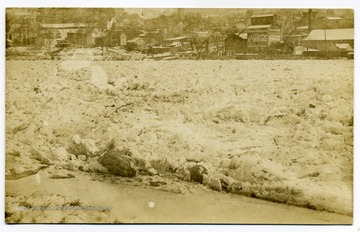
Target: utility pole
<point x="309" y="20"/>
<point x="325" y="36"/>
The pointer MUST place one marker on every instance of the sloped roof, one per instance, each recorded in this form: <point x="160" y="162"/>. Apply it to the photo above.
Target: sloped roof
<point x="332" y="18"/>
<point x="264" y="15"/>
<point x="344" y="46"/>
<point x="331" y="34"/>
<point x="134" y="40"/>
<point x="259" y="26"/>
<point x="63" y="25"/>
<point x="242" y="35"/>
<point x="302" y="28"/>
<point x="178" y="38"/>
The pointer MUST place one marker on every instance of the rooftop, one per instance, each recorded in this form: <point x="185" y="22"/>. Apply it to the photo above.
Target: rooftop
<point x="264" y="15"/>
<point x="242" y="35"/>
<point x="302" y="28"/>
<point x="63" y="25"/>
<point x="259" y="26"/>
<point x="331" y="34"/>
<point x="332" y="18"/>
<point x="133" y="40"/>
<point x="344" y="46"/>
<point x="178" y="38"/>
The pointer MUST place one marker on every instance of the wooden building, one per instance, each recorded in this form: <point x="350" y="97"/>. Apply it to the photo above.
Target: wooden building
<point x="327" y="39"/>
<point x="81" y="39"/>
<point x="136" y="44"/>
<point x="266" y="19"/>
<point x="261" y="37"/>
<point x="236" y="43"/>
<point x="263" y="32"/>
<point x="327" y="22"/>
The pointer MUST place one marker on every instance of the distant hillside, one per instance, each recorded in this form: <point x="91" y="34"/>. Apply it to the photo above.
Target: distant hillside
<point x="150" y="12"/>
<point x="155" y="12"/>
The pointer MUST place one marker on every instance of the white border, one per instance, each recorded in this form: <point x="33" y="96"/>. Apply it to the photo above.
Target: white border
<point x="184" y="4"/>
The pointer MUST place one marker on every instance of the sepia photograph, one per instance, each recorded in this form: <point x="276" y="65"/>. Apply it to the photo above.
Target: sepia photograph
<point x="179" y="116"/>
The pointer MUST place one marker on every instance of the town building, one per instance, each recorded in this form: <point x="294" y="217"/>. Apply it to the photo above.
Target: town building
<point x="260" y="37"/>
<point x="202" y="35"/>
<point x="179" y="39"/>
<point x="178" y="29"/>
<point x="263" y="32"/>
<point x="21" y="27"/>
<point x="332" y="22"/>
<point x="329" y="39"/>
<point x="236" y="43"/>
<point x="81" y="38"/>
<point x="135" y="44"/>
<point x="20" y="35"/>
<point x="295" y="37"/>
<point x="123" y="39"/>
<point x="78" y="33"/>
<point x="152" y="37"/>
<point x="266" y="19"/>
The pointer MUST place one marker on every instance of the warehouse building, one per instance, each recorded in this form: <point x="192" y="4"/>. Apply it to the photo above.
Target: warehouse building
<point x="329" y="39"/>
<point x="263" y="32"/>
